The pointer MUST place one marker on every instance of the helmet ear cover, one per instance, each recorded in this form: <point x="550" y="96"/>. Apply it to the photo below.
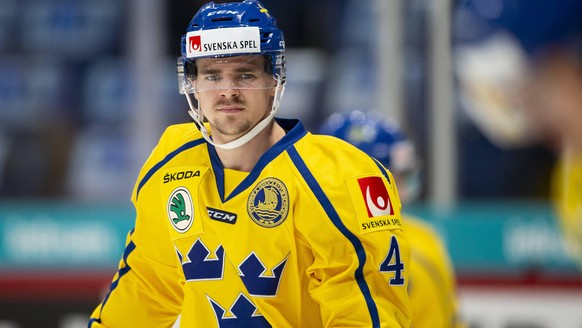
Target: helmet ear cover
<point x="191" y="70"/>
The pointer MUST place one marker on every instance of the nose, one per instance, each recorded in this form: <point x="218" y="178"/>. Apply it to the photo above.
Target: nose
<point x="229" y="92"/>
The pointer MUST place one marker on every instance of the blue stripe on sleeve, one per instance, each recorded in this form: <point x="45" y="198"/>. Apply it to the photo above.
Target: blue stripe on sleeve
<point x="382" y="169"/>
<point x="336" y="220"/>
<point x="120" y="273"/>
<point x="166" y="159"/>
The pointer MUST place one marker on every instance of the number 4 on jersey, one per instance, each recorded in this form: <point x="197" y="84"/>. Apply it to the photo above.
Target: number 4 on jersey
<point x="392" y="263"/>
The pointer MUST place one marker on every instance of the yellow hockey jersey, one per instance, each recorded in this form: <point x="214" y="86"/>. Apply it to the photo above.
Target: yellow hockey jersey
<point x="432" y="287"/>
<point x="567" y="193"/>
<point x="311" y="237"/>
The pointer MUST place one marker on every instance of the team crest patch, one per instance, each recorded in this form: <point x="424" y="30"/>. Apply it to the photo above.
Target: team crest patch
<point x="268" y="203"/>
<point x="180" y="209"/>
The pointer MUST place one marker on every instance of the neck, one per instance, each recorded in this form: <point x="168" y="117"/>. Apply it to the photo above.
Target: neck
<point x="245" y="157"/>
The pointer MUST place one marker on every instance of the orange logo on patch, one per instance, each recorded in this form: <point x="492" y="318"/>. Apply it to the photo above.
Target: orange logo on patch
<point x="375" y="196"/>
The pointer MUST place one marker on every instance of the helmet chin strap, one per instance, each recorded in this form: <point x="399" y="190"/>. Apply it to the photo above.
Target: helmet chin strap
<point x="198" y="117"/>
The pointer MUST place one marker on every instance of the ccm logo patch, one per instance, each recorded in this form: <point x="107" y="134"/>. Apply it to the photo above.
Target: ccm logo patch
<point x="221" y="216"/>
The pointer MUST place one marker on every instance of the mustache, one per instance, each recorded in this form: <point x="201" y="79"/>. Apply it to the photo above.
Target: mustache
<point x="231" y="102"/>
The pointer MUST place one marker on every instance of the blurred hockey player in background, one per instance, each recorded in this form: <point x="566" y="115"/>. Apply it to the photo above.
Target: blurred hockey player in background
<point x="519" y="64"/>
<point x="432" y="287"/>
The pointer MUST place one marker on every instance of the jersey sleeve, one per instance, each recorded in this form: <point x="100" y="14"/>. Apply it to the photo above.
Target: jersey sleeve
<point x="146" y="290"/>
<point x="360" y="270"/>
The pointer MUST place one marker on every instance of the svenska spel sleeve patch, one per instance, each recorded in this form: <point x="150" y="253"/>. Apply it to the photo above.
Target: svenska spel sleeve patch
<point x="373" y="202"/>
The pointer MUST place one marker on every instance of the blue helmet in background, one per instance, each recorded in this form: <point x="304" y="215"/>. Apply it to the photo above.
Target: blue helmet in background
<point x="535" y="24"/>
<point x="497" y="44"/>
<point x="382" y="139"/>
<point x="368" y="132"/>
<point x="234" y="29"/>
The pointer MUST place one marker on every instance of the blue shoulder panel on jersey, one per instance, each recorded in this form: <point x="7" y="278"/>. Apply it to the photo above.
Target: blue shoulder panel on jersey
<point x="160" y="164"/>
<point x="295" y="132"/>
<point x="120" y="273"/>
<point x="335" y="219"/>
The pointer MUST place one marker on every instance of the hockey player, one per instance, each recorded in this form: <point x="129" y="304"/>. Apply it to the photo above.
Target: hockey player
<point x="246" y="220"/>
<point x="432" y="287"/>
<point x="546" y="37"/>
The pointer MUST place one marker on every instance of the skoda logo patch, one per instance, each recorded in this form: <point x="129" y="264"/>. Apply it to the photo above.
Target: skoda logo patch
<point x="268" y="203"/>
<point x="180" y="209"/>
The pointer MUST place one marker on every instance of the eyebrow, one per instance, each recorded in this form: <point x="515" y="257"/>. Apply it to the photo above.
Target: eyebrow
<point x="246" y="68"/>
<point x="209" y="70"/>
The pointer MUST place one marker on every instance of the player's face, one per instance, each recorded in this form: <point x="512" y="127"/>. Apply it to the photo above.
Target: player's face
<point x="234" y="93"/>
<point x="553" y="100"/>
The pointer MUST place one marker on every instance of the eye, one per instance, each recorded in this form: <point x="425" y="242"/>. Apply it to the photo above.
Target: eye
<point x="247" y="76"/>
<point x="211" y="77"/>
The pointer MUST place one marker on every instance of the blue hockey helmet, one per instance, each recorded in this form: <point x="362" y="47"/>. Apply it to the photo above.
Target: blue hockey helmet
<point x="382" y="139"/>
<point x="498" y="44"/>
<point x="368" y="132"/>
<point x="234" y="29"/>
<point x="534" y="24"/>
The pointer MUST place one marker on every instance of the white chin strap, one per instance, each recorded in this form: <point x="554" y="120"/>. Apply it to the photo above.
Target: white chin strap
<point x="198" y="117"/>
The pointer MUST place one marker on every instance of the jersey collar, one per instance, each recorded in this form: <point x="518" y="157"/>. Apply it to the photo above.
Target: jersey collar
<point x="295" y="131"/>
